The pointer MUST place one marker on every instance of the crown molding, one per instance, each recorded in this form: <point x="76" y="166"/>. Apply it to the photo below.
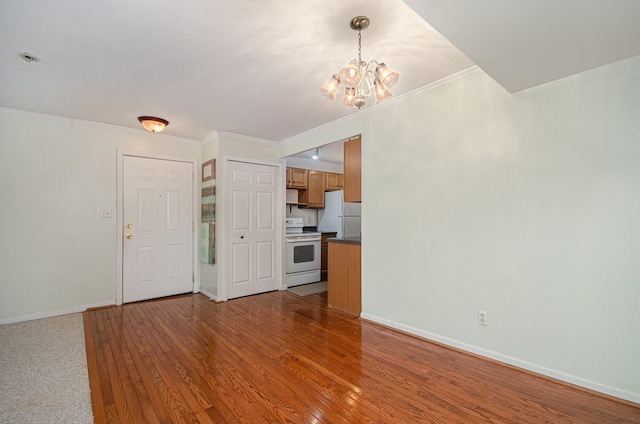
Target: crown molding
<point x="211" y="138"/>
<point x="90" y="124"/>
<point x="244" y="138"/>
<point x="458" y="76"/>
<point x="464" y="74"/>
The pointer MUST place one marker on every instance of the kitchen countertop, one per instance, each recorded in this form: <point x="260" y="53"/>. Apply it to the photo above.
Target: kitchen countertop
<point x="349" y="240"/>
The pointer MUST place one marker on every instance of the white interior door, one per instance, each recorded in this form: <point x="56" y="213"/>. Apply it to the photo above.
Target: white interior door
<point x="158" y="229"/>
<point x="252" y="229"/>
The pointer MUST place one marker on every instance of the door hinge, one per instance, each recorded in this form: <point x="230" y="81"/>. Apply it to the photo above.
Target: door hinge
<point x="193" y="226"/>
<point x="193" y="176"/>
<point x="193" y="277"/>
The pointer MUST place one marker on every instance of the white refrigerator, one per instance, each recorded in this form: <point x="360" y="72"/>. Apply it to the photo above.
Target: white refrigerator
<point x="339" y="216"/>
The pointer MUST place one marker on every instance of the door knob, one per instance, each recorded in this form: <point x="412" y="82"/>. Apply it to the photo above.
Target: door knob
<point x="129" y="236"/>
<point x="241" y="237"/>
<point x="129" y="226"/>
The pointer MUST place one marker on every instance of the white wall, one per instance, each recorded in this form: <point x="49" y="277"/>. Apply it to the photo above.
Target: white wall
<point x="56" y="254"/>
<point x="309" y="216"/>
<point x="525" y="206"/>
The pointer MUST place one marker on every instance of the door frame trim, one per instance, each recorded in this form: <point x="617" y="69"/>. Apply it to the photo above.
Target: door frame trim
<point x="120" y="211"/>
<point x="221" y="218"/>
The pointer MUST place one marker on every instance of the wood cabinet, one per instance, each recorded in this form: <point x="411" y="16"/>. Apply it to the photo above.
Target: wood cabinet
<point x="313" y="196"/>
<point x="332" y="181"/>
<point x="297" y="178"/>
<point x="344" y="290"/>
<point x="353" y="170"/>
<point x="324" y="255"/>
<point x="311" y="185"/>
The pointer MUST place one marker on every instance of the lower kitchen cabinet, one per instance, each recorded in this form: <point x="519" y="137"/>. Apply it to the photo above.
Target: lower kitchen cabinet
<point x="324" y="255"/>
<point x="344" y="290"/>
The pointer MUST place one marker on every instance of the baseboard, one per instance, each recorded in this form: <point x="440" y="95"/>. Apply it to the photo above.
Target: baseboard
<point x="211" y="296"/>
<point x="547" y="372"/>
<point x="54" y="313"/>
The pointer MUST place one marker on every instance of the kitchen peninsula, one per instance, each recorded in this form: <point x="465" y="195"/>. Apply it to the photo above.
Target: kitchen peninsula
<point x="345" y="274"/>
<point x="344" y="290"/>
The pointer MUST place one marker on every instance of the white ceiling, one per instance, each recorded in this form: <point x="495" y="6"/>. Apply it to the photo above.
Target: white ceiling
<point x="332" y="152"/>
<point x="525" y="43"/>
<point x="252" y="67"/>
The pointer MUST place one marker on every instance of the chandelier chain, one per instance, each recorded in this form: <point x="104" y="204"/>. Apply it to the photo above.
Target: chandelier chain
<point x="359" y="45"/>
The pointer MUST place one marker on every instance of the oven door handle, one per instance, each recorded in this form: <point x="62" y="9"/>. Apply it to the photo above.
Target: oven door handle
<point x="303" y="240"/>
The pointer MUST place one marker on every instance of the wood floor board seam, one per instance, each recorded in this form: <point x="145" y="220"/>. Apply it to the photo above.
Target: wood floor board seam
<point x="277" y="357"/>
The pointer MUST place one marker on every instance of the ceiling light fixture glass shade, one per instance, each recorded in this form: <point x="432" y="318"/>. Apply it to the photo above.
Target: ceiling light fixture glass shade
<point x="358" y="79"/>
<point x="153" y="124"/>
<point x="330" y="88"/>
<point x="382" y="92"/>
<point x="350" y="75"/>
<point x="316" y="154"/>
<point x="386" y="76"/>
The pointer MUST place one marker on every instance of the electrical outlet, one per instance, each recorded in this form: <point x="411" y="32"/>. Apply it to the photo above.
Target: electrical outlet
<point x="105" y="213"/>
<point x="483" y="318"/>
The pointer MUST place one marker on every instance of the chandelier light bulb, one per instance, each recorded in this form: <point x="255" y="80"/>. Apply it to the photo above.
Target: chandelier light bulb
<point x="361" y="79"/>
<point x="349" y="97"/>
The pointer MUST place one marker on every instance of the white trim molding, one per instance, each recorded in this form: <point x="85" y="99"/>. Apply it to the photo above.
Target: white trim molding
<point x="467" y="73"/>
<point x="54" y="312"/>
<point x="211" y="138"/>
<point x="80" y="123"/>
<point x="210" y="295"/>
<point x="217" y="135"/>
<point x="519" y="363"/>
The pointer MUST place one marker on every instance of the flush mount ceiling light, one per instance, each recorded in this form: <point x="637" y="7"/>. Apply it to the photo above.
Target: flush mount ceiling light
<point x="153" y="124"/>
<point x="358" y="80"/>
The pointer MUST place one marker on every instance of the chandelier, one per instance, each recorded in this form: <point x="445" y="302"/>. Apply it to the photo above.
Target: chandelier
<point x="358" y="78"/>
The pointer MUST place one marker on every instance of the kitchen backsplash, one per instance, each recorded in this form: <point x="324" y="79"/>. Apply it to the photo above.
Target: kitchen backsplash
<point x="310" y="216"/>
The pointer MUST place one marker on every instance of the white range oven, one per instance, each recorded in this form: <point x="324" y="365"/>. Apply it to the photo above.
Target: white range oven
<point x="303" y="254"/>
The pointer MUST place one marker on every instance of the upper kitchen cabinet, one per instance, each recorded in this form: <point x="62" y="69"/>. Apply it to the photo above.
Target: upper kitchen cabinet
<point x="332" y="181"/>
<point x="313" y="196"/>
<point x="353" y="170"/>
<point x="297" y="178"/>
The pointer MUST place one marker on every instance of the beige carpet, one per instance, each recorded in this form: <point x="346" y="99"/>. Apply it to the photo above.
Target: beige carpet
<point x="308" y="289"/>
<point x="43" y="372"/>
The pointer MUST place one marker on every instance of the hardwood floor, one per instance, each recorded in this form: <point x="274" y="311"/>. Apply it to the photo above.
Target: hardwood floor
<point x="277" y="357"/>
